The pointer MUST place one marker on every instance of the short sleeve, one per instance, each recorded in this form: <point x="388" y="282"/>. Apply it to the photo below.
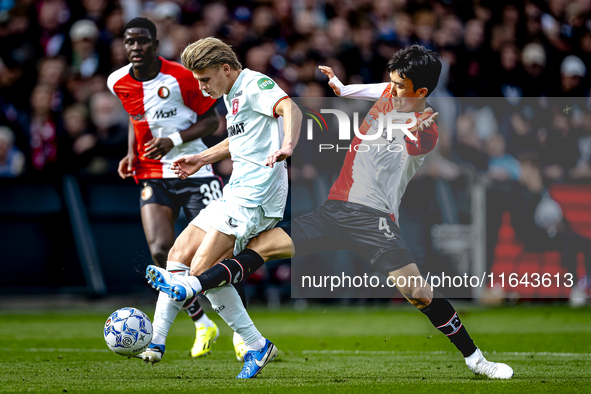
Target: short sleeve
<point x="265" y="96"/>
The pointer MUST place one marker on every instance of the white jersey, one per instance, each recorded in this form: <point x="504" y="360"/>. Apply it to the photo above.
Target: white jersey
<point x="254" y="133"/>
<point x="376" y="175"/>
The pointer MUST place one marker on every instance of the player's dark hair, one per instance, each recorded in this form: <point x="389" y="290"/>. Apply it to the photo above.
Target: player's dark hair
<point x="419" y="64"/>
<point x="142" y="23"/>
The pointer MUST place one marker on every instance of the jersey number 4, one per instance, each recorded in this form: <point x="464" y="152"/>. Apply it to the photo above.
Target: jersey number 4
<point x="211" y="192"/>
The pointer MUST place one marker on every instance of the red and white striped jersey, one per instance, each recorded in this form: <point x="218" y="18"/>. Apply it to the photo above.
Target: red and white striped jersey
<point x="159" y="107"/>
<point x="376" y="172"/>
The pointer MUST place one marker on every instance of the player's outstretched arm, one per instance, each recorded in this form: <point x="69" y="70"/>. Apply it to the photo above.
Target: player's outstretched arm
<point x="190" y="164"/>
<point x="206" y="124"/>
<point x="125" y="168"/>
<point x="372" y="91"/>
<point x="292" y="123"/>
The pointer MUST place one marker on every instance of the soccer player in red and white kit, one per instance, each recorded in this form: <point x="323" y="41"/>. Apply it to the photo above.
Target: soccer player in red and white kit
<point x="169" y="115"/>
<point x="361" y="213"/>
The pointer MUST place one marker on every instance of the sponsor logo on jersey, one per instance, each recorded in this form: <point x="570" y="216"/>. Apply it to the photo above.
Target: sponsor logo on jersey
<point x="165" y="114"/>
<point x="235" y="129"/>
<point x="238" y="94"/>
<point x="138" y="117"/>
<point x="163" y="92"/>
<point x="265" y="84"/>
<point x="147" y="192"/>
<point x="235" y="104"/>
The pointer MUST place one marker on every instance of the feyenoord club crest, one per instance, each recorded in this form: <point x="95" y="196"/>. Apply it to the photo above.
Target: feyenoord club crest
<point x="234" y="106"/>
<point x="163" y="92"/>
<point x="147" y="192"/>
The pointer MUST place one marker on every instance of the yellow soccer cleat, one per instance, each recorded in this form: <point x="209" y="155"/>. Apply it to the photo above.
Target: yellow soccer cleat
<point x="204" y="338"/>
<point x="239" y="347"/>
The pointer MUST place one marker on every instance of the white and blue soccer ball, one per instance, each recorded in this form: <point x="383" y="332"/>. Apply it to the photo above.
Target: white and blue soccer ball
<point x="128" y="331"/>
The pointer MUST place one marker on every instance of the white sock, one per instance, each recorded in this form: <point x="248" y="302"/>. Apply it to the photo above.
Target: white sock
<point x="258" y="344"/>
<point x="166" y="307"/>
<point x="204" y="320"/>
<point x="195" y="284"/>
<point x="227" y="303"/>
<point x="472" y="359"/>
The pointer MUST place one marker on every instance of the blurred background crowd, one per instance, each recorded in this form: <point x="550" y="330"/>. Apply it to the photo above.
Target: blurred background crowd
<point x="58" y="117"/>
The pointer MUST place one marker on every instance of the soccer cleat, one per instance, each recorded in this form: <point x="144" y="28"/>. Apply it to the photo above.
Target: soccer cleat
<point x="239" y="347"/>
<point x="255" y="360"/>
<point x="487" y="368"/>
<point x="153" y="354"/>
<point x="204" y="338"/>
<point x="173" y="285"/>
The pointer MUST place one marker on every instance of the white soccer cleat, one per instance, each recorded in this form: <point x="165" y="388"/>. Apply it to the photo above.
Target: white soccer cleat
<point x="481" y="366"/>
<point x="152" y="354"/>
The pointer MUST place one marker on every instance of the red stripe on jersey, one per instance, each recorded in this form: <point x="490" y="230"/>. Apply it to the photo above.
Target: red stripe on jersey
<point x="426" y="139"/>
<point x="275" y="106"/>
<point x="131" y="94"/>
<point x="192" y="96"/>
<point x="342" y="186"/>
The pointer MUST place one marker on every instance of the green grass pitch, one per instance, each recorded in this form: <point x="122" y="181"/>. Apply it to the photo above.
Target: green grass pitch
<point x="322" y="349"/>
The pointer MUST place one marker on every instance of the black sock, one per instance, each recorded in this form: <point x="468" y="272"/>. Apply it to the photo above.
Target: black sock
<point x="233" y="270"/>
<point x="445" y="318"/>
<point x="240" y="289"/>
<point x="193" y="308"/>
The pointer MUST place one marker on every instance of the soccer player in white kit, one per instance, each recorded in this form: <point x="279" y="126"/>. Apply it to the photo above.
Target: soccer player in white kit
<point x="168" y="115"/>
<point x="254" y="199"/>
<point x="362" y="208"/>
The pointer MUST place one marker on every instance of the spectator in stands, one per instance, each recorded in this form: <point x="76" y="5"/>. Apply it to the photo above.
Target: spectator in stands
<point x="109" y="142"/>
<point x="559" y="151"/>
<point x="42" y="129"/>
<point x="539" y="223"/>
<point x="533" y="58"/>
<point x="12" y="160"/>
<point x="501" y="165"/>
<point x="572" y="75"/>
<point x="77" y="140"/>
<point x="88" y="58"/>
<point x="582" y="170"/>
<point x="467" y="148"/>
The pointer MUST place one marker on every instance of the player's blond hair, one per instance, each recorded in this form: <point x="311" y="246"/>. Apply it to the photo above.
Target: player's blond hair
<point x="209" y="52"/>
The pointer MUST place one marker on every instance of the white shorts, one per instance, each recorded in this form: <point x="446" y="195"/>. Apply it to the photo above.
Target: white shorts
<point x="230" y="218"/>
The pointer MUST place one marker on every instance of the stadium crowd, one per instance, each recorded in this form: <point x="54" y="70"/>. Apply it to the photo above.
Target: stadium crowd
<point x="526" y="62"/>
<point x="56" y="54"/>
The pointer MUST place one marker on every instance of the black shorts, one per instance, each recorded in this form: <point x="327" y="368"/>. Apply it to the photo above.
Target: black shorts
<point x="339" y="225"/>
<point x="191" y="194"/>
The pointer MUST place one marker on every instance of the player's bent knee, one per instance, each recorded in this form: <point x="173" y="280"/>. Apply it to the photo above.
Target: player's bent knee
<point x="178" y="253"/>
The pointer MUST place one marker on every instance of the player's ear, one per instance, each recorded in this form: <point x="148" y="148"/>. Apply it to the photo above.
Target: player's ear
<point x="155" y="45"/>
<point x="226" y="69"/>
<point x="422" y="92"/>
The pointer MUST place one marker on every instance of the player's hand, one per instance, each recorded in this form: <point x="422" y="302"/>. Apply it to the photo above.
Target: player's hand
<point x="279" y="155"/>
<point x="330" y="74"/>
<point x="125" y="169"/>
<point x="428" y="119"/>
<point x="157" y="147"/>
<point x="186" y="166"/>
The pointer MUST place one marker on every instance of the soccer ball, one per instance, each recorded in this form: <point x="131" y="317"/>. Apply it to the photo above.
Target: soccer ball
<point x="128" y="331"/>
